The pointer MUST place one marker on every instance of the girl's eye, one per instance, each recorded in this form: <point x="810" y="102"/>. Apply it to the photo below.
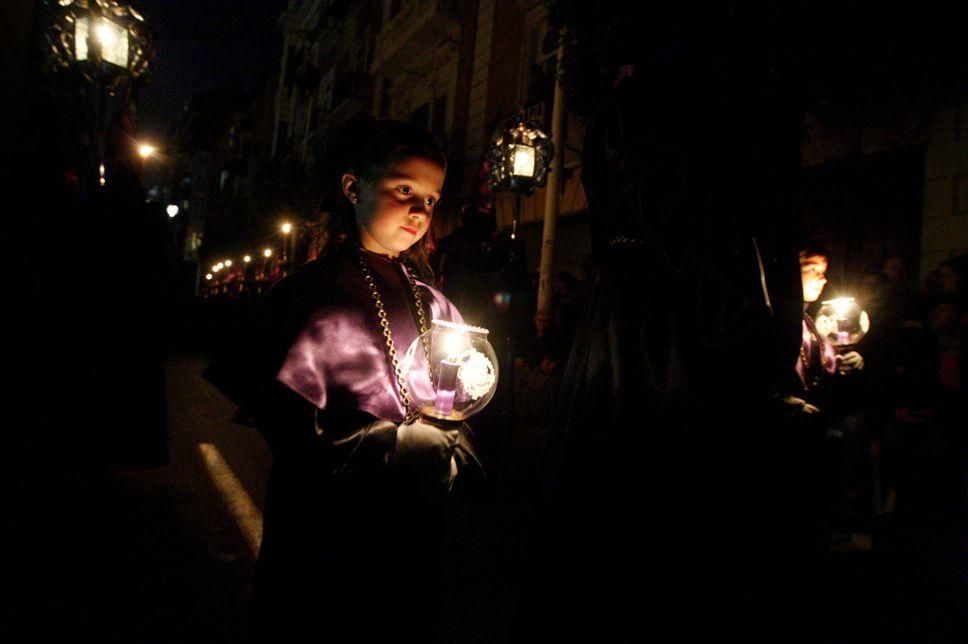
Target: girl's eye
<point x="431" y="201"/>
<point x="405" y="190"/>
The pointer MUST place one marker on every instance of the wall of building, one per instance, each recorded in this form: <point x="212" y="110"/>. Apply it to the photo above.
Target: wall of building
<point x="944" y="218"/>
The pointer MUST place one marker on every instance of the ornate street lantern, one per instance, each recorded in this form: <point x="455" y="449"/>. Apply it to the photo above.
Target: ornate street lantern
<point x="518" y="160"/>
<point x="105" y="39"/>
<point x="519" y="157"/>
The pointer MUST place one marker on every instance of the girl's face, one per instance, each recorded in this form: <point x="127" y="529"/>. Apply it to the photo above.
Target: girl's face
<point x="393" y="211"/>
<point x="813" y="273"/>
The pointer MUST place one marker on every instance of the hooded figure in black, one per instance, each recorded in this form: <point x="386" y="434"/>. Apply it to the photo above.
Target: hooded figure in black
<point x="665" y="475"/>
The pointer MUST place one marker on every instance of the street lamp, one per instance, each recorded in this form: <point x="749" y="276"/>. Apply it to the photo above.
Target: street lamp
<point x="107" y="42"/>
<point x="286" y="229"/>
<point x="518" y="161"/>
<point x="267" y="253"/>
<point x="172" y="210"/>
<point x="146" y="151"/>
<point x="519" y="156"/>
<point x="247" y="259"/>
<point x="228" y="263"/>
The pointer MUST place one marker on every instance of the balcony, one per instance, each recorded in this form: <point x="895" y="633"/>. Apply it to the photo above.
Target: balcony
<point x="417" y="27"/>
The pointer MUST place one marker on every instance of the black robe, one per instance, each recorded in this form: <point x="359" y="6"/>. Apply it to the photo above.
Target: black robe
<point x="664" y="490"/>
<point x="352" y="546"/>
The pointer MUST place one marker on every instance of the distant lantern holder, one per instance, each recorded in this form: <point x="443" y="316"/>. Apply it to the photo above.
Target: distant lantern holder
<point x="519" y="156"/>
<point x="106" y="40"/>
<point x="518" y="160"/>
<point x="107" y="43"/>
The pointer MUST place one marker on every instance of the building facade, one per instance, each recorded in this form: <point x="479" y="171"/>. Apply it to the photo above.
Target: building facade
<point x="457" y="68"/>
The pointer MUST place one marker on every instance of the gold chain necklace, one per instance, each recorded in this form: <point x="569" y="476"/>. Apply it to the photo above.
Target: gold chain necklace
<point x="388" y="336"/>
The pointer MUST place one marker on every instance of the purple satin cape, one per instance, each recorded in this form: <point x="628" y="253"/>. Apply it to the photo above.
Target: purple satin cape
<point x="339" y="358"/>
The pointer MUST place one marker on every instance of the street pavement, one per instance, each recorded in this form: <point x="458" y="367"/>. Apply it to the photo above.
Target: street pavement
<point x="141" y="555"/>
<point x="167" y="554"/>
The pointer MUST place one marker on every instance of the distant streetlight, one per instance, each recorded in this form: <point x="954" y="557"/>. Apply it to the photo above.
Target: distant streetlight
<point x="247" y="259"/>
<point x="228" y="263"/>
<point x="172" y="210"/>
<point x="146" y="150"/>
<point x="216" y="268"/>
<point x="221" y="265"/>
<point x="208" y="276"/>
<point x="267" y="253"/>
<point x="286" y="229"/>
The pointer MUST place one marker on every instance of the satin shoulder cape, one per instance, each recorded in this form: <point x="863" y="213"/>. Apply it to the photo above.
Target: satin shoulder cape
<point x="318" y="333"/>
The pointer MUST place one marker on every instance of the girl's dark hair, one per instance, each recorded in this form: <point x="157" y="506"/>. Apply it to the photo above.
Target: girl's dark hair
<point x="812" y="248"/>
<point x="369" y="148"/>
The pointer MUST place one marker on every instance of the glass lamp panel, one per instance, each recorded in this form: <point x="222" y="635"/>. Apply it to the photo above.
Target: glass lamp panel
<point x="523" y="161"/>
<point x="81" y="33"/>
<point x="112" y="37"/>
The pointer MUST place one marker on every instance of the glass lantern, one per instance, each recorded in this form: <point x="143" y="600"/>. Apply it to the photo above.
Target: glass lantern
<point x="519" y="156"/>
<point x="842" y="322"/>
<point x="451" y="371"/>
<point x="105" y="39"/>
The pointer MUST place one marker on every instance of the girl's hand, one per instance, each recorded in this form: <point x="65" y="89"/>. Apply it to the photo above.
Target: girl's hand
<point x="850" y="362"/>
<point x="803" y="406"/>
<point x="428" y="450"/>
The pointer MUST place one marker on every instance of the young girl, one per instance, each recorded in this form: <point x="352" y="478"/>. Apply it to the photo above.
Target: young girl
<point x="354" y="509"/>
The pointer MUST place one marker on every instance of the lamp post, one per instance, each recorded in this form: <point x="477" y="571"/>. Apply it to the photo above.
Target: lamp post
<point x="267" y="253"/>
<point x="518" y="161"/>
<point x="286" y="229"/>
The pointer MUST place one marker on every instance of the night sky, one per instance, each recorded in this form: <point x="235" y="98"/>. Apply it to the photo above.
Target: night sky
<point x="204" y="45"/>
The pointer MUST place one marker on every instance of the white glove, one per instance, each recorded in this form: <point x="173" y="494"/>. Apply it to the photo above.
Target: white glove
<point x="805" y="408"/>
<point x="850" y="362"/>
<point x="428" y="451"/>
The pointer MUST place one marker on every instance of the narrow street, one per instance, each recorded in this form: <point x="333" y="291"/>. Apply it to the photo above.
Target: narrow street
<point x="168" y="554"/>
<point x="149" y="555"/>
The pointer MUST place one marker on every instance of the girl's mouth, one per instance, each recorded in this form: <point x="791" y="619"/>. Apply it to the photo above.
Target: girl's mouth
<point x="412" y="231"/>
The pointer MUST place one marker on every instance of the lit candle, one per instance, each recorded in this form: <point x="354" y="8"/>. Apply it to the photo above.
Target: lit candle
<point x="446" y="387"/>
<point x="841" y="307"/>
